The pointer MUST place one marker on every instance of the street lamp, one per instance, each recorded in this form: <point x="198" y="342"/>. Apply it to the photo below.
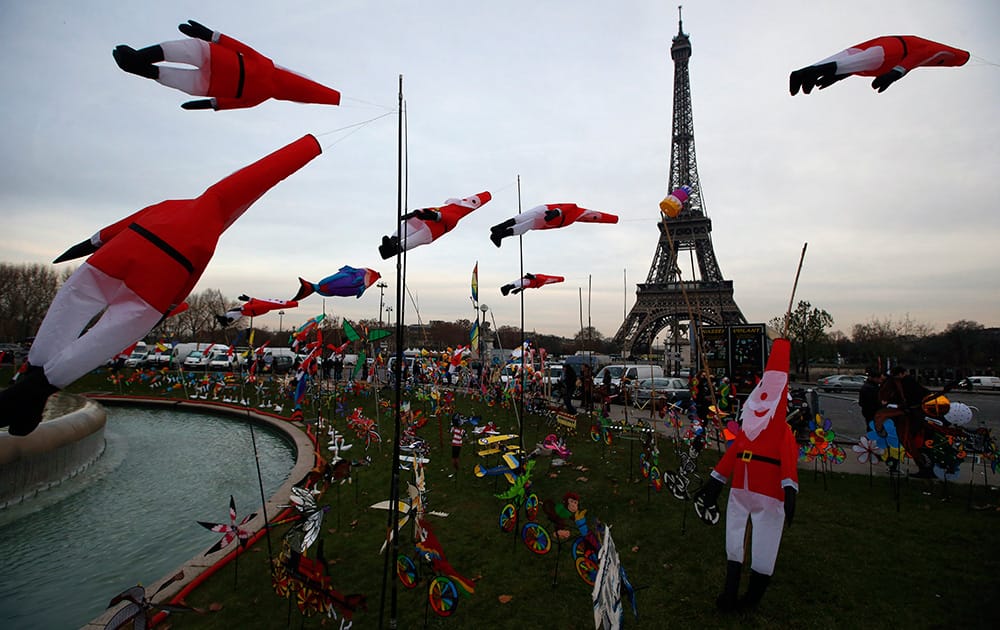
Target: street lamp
<point x="482" y="359"/>
<point x="381" y="290"/>
<point x="281" y="317"/>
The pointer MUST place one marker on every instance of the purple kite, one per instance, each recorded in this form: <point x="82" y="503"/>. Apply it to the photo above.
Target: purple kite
<point x="345" y="283"/>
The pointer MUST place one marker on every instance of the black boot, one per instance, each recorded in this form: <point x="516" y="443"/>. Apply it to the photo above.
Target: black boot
<point x="755" y="590"/>
<point x="500" y="231"/>
<point x="138" y="62"/>
<point x="505" y="289"/>
<point x="389" y="247"/>
<point x="22" y="404"/>
<point x="726" y="601"/>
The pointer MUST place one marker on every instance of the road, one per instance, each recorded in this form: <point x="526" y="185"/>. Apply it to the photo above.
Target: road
<point x="844" y="412"/>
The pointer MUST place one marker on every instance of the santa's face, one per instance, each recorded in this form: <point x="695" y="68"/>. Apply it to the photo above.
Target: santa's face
<point x="763" y="401"/>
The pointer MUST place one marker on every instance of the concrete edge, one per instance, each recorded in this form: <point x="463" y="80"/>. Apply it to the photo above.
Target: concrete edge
<point x="197" y="565"/>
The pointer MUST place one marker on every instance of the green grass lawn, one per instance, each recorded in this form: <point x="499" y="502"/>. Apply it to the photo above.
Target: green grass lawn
<point x="853" y="558"/>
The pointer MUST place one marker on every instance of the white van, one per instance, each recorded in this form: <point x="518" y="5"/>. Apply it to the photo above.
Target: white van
<point x="981" y="382"/>
<point x="632" y="372"/>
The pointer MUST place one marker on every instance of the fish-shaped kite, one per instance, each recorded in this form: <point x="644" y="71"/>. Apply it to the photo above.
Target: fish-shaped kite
<point x="232" y="74"/>
<point x="547" y="217"/>
<point x="346" y="282"/>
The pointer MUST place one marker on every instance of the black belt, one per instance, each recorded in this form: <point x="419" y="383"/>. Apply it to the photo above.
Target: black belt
<point x="243" y="74"/>
<point x="749" y="455"/>
<point x="163" y="245"/>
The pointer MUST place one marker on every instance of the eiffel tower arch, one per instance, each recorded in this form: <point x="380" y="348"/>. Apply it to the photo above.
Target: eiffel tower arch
<point x="667" y="298"/>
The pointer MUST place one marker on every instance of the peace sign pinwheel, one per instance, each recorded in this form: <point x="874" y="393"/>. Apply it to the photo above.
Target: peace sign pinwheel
<point x="369" y="337"/>
<point x="231" y="530"/>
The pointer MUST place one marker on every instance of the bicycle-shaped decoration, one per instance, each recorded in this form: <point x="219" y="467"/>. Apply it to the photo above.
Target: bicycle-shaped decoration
<point x="649" y="462"/>
<point x="678" y="481"/>
<point x="444" y="583"/>
<point x="535" y="537"/>
<point x="584" y="546"/>
<point x="307" y="580"/>
<point x="600" y="430"/>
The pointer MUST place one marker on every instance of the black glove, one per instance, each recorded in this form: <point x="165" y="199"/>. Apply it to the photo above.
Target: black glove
<point x="205" y="103"/>
<point x="706" y="499"/>
<point x="807" y="78"/>
<point x="790" y="494"/>
<point x="426" y="214"/>
<point x="551" y="214"/>
<point x="709" y="492"/>
<point x="196" y="30"/>
<point x="883" y="81"/>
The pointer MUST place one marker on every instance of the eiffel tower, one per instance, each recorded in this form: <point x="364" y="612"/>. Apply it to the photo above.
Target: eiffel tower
<point x="660" y="301"/>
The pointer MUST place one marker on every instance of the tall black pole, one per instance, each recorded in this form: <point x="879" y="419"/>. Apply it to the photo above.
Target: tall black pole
<point x="523" y="376"/>
<point x="389" y="564"/>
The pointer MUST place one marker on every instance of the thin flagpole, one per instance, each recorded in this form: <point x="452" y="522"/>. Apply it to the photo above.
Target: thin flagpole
<point x="795" y="286"/>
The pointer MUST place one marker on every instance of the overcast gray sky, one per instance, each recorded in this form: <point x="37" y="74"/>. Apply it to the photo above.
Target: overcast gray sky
<point x="896" y="193"/>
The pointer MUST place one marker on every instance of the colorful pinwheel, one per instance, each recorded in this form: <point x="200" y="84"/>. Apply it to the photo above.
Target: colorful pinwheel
<point x="309" y="518"/>
<point x="138" y="612"/>
<point x="231" y="530"/>
<point x="868" y="450"/>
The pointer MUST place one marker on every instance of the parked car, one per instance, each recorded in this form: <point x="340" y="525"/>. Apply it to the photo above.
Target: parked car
<point x="221" y="361"/>
<point x="632" y="372"/>
<point x="980" y="382"/>
<point x="138" y="356"/>
<point x="197" y="360"/>
<point x="841" y="383"/>
<point x="671" y="389"/>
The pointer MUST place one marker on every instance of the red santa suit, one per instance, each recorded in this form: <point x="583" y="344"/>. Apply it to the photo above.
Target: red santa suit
<point x="530" y="281"/>
<point x="233" y="74"/>
<point x="424" y="226"/>
<point x="762" y="461"/>
<point x="550" y="216"/>
<point x="145" y="265"/>
<point x="887" y="58"/>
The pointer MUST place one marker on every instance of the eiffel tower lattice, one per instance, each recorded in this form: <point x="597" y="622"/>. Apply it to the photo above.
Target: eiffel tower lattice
<point x="660" y="301"/>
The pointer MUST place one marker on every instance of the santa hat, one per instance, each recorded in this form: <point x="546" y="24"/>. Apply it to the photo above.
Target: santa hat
<point x="773" y="384"/>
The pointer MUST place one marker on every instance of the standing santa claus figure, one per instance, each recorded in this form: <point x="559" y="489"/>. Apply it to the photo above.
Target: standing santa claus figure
<point x="762" y="463"/>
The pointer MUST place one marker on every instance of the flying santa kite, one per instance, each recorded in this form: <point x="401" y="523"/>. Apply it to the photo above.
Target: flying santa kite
<point x="421" y="227"/>
<point x="547" y="217"/>
<point x="674" y="202"/>
<point x="530" y="281"/>
<point x="888" y="59"/>
<point x="230" y="73"/>
<point x="345" y="283"/>
<point x="142" y="267"/>
<point x="763" y="465"/>
<point x="253" y="307"/>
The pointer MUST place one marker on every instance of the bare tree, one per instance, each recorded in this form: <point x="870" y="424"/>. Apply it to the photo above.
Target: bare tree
<point x="26" y="291"/>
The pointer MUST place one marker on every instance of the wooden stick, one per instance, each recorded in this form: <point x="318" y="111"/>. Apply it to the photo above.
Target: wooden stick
<point x="788" y="313"/>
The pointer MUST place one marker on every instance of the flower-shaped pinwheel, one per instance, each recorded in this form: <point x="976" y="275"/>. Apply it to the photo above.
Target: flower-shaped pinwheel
<point x="231" y="530"/>
<point x="821" y="442"/>
<point x="868" y="450"/>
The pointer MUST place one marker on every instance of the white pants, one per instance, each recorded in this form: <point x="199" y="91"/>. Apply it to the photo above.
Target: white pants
<point x="193" y="52"/>
<point x="853" y="60"/>
<point x="414" y="234"/>
<point x="768" y="517"/>
<point x="62" y="351"/>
